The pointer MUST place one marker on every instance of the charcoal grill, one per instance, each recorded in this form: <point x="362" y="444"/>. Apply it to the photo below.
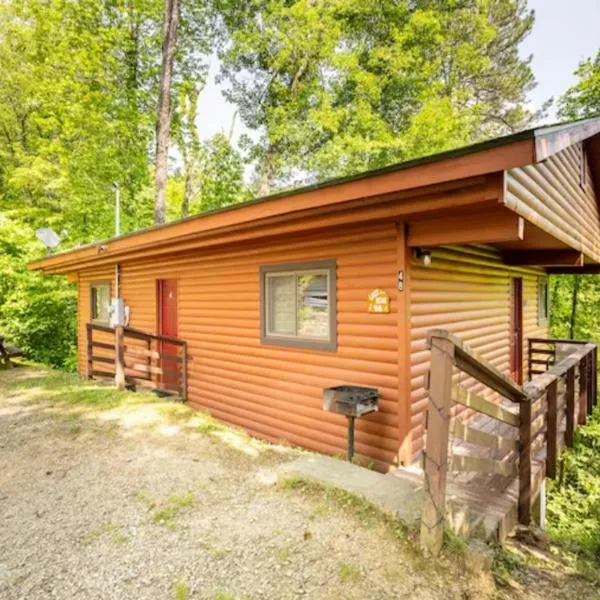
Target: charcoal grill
<point x="352" y="401"/>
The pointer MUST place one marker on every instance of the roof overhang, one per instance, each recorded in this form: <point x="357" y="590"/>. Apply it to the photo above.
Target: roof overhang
<point x="404" y="180"/>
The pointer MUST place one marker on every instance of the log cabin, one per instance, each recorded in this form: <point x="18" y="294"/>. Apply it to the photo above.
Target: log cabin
<point x="250" y="311"/>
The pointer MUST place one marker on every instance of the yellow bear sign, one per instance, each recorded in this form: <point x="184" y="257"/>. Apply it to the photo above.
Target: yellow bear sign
<point x="379" y="301"/>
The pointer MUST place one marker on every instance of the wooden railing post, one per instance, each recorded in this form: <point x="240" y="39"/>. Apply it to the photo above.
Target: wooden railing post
<point x="184" y="367"/>
<point x="435" y="462"/>
<point x="595" y="375"/>
<point x="90" y="351"/>
<point x="525" y="462"/>
<point x="552" y="429"/>
<point x="583" y="392"/>
<point x="570" y="407"/>
<point x="593" y="379"/>
<point x="589" y="378"/>
<point x="119" y="357"/>
<point x="149" y="359"/>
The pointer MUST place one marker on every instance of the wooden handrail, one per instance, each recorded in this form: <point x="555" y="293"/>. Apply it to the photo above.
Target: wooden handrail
<point x="558" y="341"/>
<point x="138" y="334"/>
<point x="534" y="428"/>
<point x="466" y="360"/>
<point x="128" y="360"/>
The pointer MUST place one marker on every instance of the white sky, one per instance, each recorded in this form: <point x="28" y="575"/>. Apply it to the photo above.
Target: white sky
<point x="565" y="32"/>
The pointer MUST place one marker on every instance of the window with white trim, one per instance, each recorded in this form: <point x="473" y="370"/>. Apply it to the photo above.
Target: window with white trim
<point x="298" y="305"/>
<point x="100" y="302"/>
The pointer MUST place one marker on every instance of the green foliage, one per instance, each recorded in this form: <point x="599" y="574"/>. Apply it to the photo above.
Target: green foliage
<point x="37" y="313"/>
<point x="40" y="316"/>
<point x="181" y="590"/>
<point x="574" y="497"/>
<point x="167" y="513"/>
<point x="507" y="565"/>
<point x="335" y="87"/>
<point x="349" y="572"/>
<point x="583" y="99"/>
<point x="359" y="507"/>
<point x="213" y="178"/>
<point x="584" y="321"/>
<point x="453" y="543"/>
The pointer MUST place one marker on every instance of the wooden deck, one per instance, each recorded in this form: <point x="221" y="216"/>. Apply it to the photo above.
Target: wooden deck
<point x="490" y="442"/>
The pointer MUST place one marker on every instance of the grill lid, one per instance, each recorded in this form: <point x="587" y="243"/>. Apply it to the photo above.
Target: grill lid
<point x="351" y="400"/>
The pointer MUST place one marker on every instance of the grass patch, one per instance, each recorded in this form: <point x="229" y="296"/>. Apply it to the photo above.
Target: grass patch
<point x="217" y="553"/>
<point x="68" y="388"/>
<point x="181" y="590"/>
<point x="74" y="424"/>
<point x="98" y="532"/>
<point x="507" y="566"/>
<point x="327" y="497"/>
<point x="224" y="596"/>
<point x="348" y="572"/>
<point x="454" y="544"/>
<point x="146" y="499"/>
<point x="284" y="553"/>
<point x="167" y="514"/>
<point x="209" y="425"/>
<point x="176" y="413"/>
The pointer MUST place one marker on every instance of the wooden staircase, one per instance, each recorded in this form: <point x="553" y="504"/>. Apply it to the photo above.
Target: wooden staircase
<point x="491" y="442"/>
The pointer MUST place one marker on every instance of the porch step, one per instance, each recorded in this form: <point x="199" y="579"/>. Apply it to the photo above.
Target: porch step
<point x="474" y="509"/>
<point x="397" y="496"/>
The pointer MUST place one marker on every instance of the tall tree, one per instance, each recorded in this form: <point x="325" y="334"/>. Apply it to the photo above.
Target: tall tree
<point x="583" y="99"/>
<point x="163" y="123"/>
<point x="337" y="86"/>
<point x="274" y="66"/>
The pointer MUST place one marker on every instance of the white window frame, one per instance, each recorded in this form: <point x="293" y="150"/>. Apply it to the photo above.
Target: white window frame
<point x="97" y="284"/>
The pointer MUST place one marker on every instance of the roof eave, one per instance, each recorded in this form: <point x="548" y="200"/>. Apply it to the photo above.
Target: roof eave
<point x="551" y="140"/>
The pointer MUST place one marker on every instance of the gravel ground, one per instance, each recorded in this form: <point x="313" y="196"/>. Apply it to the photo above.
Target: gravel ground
<point x="147" y="500"/>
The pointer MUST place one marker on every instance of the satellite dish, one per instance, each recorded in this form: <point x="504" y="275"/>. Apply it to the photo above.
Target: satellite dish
<point x="48" y="237"/>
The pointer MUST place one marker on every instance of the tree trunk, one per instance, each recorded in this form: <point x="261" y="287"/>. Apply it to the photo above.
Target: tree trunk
<point x="266" y="173"/>
<point x="576" y="285"/>
<point x="187" y="193"/>
<point x="163" y="123"/>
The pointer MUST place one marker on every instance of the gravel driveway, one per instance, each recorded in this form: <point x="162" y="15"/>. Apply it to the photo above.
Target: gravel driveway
<point x="117" y="496"/>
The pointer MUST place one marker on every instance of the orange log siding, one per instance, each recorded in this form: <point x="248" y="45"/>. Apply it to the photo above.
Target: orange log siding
<point x="467" y="291"/>
<point x="366" y="224"/>
<point x="275" y="392"/>
<point x="549" y="195"/>
<point x="272" y="391"/>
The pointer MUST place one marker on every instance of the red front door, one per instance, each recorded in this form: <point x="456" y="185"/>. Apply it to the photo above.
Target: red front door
<point x="167" y="325"/>
<point x="516" y="329"/>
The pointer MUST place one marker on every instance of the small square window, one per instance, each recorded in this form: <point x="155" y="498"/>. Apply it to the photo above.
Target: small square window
<point x="543" y="302"/>
<point x="100" y="302"/>
<point x="298" y="305"/>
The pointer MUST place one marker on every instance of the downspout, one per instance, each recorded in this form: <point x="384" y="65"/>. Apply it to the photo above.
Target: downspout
<point x="117" y="189"/>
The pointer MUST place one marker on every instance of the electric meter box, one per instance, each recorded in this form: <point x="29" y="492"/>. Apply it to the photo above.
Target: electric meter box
<point x="117" y="312"/>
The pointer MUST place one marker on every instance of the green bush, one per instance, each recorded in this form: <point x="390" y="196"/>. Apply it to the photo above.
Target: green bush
<point x="39" y="314"/>
<point x="573" y="508"/>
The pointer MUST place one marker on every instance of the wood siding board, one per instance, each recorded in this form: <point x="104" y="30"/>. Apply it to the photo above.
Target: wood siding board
<point x="549" y="195"/>
<point x="438" y="297"/>
<point x="272" y="391"/>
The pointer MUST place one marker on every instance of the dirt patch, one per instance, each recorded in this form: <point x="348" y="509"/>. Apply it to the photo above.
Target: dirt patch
<point x="122" y="496"/>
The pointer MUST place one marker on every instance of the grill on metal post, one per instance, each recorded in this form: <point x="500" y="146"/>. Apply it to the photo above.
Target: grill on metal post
<point x="352" y="401"/>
